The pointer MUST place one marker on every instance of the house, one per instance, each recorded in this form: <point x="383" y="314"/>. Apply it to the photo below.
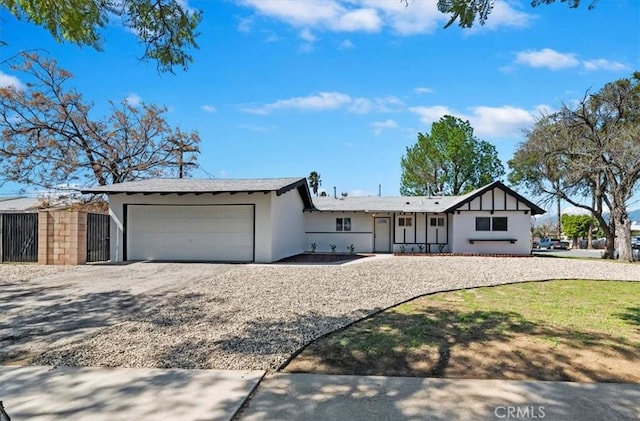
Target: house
<point x="265" y="220"/>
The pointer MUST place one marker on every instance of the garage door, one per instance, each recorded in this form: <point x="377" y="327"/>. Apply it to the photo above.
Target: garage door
<point x="214" y="233"/>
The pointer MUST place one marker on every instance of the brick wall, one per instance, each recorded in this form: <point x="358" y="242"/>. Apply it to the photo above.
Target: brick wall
<point x="62" y="237"/>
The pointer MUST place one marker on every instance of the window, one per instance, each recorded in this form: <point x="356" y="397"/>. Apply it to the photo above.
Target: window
<point x="343" y="224"/>
<point x="405" y="222"/>
<point x="499" y="223"/>
<point x="437" y="222"/>
<point x="483" y="223"/>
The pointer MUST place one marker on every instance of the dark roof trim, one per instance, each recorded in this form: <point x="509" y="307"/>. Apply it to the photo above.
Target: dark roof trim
<point x="535" y="209"/>
<point x="180" y="192"/>
<point x="303" y="190"/>
<point x="301" y="185"/>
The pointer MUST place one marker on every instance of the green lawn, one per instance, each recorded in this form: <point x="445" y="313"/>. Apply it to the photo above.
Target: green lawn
<point x="558" y="330"/>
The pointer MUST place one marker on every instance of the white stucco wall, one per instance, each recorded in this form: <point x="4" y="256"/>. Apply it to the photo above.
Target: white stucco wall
<point x="320" y="228"/>
<point x="518" y="227"/>
<point x="287" y="225"/>
<point x="404" y="234"/>
<point x="262" y="202"/>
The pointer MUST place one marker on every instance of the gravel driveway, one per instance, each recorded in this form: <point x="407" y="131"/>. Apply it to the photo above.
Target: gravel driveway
<point x="229" y="316"/>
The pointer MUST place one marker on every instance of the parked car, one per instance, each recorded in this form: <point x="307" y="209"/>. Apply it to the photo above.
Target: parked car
<point x="553" y="243"/>
<point x="635" y="243"/>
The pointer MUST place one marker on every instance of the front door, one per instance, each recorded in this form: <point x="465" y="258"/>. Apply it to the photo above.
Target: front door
<point x="381" y="235"/>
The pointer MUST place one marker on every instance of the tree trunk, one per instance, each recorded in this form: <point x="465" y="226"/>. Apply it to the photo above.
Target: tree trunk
<point x="623" y="234"/>
<point x="592" y="223"/>
<point x="610" y="244"/>
<point x="559" y="220"/>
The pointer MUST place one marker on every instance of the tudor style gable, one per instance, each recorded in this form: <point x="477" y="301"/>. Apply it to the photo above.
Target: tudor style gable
<point x="495" y="197"/>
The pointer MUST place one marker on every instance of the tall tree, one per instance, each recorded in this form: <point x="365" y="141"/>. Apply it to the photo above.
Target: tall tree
<point x="49" y="137"/>
<point x="314" y="182"/>
<point x="593" y="149"/>
<point x="450" y="160"/>
<point x="576" y="226"/>
<point x="166" y="28"/>
<point x="469" y="12"/>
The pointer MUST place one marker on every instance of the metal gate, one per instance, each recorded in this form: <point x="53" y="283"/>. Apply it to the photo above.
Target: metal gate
<point x="97" y="237"/>
<point x="19" y="237"/>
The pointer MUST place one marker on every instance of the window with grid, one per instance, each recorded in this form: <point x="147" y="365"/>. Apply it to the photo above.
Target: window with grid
<point x="343" y="224"/>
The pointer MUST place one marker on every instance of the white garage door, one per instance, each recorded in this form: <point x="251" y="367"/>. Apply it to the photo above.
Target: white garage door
<point x="215" y="233"/>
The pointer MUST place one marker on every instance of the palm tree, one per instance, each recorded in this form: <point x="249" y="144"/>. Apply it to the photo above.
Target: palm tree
<point x="314" y="182"/>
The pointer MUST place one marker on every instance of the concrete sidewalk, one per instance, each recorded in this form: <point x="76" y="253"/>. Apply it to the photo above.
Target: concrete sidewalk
<point x="101" y="394"/>
<point x="109" y="394"/>
<point x="326" y="397"/>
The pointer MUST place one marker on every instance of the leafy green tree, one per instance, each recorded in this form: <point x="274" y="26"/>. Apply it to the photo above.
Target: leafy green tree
<point x="467" y="12"/>
<point x="450" y="159"/>
<point x="576" y="226"/>
<point x="314" y="181"/>
<point x="166" y="28"/>
<point x="48" y="136"/>
<point x="589" y="151"/>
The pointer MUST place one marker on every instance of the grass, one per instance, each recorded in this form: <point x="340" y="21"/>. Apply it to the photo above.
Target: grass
<point x="573" y="330"/>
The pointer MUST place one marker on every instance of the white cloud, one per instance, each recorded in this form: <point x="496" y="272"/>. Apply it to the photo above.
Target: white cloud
<point x="543" y="109"/>
<point x="554" y="60"/>
<point x="492" y="122"/>
<point x="319" y="102"/>
<point x="430" y="114"/>
<point x="418" y="17"/>
<point x="298" y="13"/>
<point x="307" y="35"/>
<point x="346" y="45"/>
<point x="271" y="36"/>
<point x="604" y="64"/>
<point x="245" y="25"/>
<point x="379" y="126"/>
<point x="257" y="129"/>
<point x="7" y="80"/>
<point x="502" y="121"/>
<point x="309" y="39"/>
<point x="503" y="14"/>
<point x="382" y="105"/>
<point x="133" y="99"/>
<point x="422" y="90"/>
<point x="209" y="108"/>
<point x="326" y="101"/>
<point x="548" y="58"/>
<point x="366" y="20"/>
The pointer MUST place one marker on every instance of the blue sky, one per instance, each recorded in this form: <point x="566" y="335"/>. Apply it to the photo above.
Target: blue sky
<point x="280" y="88"/>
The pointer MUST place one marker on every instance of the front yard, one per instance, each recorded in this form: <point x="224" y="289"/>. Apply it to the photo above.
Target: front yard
<point x="567" y="330"/>
<point x="231" y="316"/>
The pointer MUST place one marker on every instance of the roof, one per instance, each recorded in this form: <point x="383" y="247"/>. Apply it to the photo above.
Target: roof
<point x="19" y="204"/>
<point x="431" y="204"/>
<point x="213" y="186"/>
<point x="182" y="186"/>
<point x="385" y="204"/>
